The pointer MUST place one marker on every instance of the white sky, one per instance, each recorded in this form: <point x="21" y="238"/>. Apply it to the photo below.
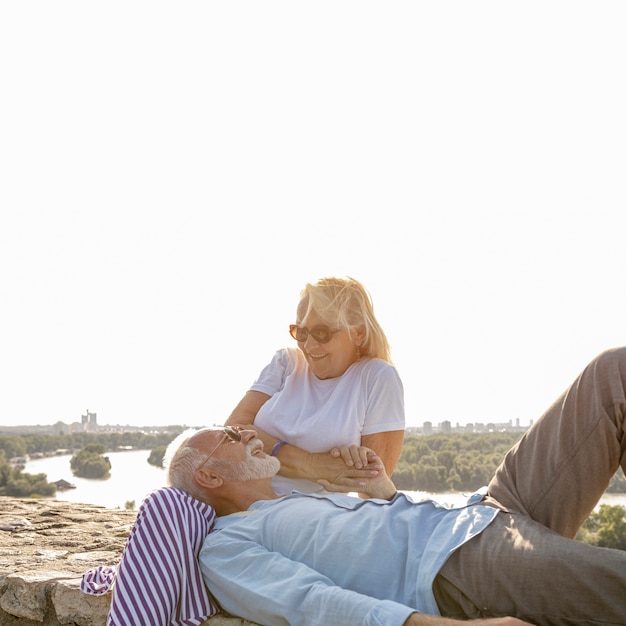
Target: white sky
<point x="173" y="173"/>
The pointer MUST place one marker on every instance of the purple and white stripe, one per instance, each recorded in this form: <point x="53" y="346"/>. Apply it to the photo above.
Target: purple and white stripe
<point x="158" y="580"/>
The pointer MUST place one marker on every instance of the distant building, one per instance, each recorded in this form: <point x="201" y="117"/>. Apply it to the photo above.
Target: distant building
<point x="445" y="427"/>
<point x="89" y="422"/>
<point x="61" y="428"/>
<point x="19" y="460"/>
<point x="63" y="485"/>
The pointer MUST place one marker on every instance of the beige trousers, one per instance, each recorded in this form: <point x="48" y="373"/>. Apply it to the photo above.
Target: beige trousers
<point x="526" y="563"/>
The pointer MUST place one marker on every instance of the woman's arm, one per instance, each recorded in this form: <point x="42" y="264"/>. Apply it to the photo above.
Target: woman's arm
<point x="387" y="445"/>
<point x="298" y="463"/>
<point x="244" y="415"/>
<point x="245" y="412"/>
<point x="295" y="462"/>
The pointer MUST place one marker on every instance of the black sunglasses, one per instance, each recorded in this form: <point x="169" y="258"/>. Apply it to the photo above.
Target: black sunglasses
<point x="321" y="334"/>
<point x="230" y="432"/>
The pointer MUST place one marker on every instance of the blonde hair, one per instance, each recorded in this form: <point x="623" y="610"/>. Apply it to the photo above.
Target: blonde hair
<point x="345" y="303"/>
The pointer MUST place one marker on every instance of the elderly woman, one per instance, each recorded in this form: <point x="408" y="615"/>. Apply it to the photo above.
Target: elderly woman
<point x="319" y="407"/>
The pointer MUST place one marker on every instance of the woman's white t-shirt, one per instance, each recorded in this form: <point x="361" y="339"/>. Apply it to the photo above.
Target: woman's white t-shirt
<point x="318" y="415"/>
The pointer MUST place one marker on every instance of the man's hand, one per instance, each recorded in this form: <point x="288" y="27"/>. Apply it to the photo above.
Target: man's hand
<point x="419" y="619"/>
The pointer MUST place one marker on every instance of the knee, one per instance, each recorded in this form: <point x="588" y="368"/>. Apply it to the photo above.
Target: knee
<point x="613" y="356"/>
<point x="610" y="364"/>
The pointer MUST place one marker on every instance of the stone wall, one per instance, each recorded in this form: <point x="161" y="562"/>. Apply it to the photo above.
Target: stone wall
<point x="45" y="546"/>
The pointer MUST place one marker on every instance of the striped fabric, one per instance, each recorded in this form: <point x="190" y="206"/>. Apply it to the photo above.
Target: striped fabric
<point x="158" y="580"/>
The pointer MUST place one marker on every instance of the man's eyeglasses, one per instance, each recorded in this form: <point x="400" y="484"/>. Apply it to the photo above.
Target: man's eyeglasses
<point x="232" y="433"/>
<point x="321" y="334"/>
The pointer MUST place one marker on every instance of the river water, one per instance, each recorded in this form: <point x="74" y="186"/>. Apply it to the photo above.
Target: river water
<point x="132" y="477"/>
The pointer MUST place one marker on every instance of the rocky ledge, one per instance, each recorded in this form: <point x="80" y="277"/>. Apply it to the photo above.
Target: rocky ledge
<point x="45" y="547"/>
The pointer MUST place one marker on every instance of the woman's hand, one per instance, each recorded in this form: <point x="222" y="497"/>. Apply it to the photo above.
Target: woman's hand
<point x="375" y="485"/>
<point x="354" y="455"/>
<point x="325" y="466"/>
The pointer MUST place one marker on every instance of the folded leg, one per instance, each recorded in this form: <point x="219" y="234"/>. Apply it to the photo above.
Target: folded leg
<point x="561" y="467"/>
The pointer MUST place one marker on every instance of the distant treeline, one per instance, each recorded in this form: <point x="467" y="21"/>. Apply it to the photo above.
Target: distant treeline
<point x="22" y="445"/>
<point x="434" y="463"/>
<point x="459" y="462"/>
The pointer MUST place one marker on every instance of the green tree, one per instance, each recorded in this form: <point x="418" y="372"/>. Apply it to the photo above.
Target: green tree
<point x="605" y="527"/>
<point x="414" y="449"/>
<point x="457" y="461"/>
<point x="5" y="473"/>
<point x="89" y="462"/>
<point x="618" y="482"/>
<point x="431" y="478"/>
<point x="22" y="485"/>
<point x="446" y="458"/>
<point x="404" y="477"/>
<point x="156" y="456"/>
<point x="13" y="446"/>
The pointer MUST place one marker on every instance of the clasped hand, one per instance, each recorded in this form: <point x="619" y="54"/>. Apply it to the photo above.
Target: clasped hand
<point x="362" y="471"/>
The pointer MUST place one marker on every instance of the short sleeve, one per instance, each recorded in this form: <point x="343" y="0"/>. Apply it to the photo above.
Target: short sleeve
<point x="385" y="403"/>
<point x="272" y="377"/>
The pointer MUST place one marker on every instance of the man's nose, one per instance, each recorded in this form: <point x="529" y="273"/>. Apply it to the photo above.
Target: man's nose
<point x="247" y="435"/>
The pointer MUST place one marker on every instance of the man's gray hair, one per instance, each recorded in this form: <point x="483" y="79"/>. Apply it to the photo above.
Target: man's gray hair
<point x="181" y="461"/>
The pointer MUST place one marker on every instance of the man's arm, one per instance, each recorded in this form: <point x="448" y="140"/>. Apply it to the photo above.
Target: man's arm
<point x="419" y="619"/>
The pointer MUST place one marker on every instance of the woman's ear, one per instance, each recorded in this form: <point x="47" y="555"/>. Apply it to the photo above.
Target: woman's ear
<point x="359" y="335"/>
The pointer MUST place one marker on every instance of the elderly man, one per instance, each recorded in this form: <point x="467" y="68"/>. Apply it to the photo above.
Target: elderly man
<point x="337" y="560"/>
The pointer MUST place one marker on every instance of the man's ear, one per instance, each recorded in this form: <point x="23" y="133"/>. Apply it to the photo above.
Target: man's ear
<point x="208" y="478"/>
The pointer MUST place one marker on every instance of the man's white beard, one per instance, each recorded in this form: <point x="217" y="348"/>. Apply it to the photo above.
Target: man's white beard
<point x="253" y="468"/>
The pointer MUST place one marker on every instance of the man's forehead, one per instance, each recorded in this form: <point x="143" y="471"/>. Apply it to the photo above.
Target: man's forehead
<point x="203" y="438"/>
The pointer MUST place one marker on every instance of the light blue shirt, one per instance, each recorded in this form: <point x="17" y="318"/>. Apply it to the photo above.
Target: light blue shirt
<point x="331" y="559"/>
